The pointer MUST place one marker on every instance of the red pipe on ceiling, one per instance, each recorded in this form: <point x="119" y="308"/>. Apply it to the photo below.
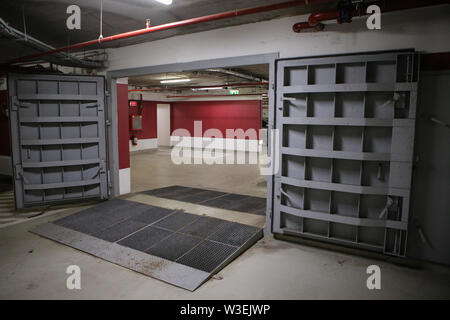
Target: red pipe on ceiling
<point x="315" y="19"/>
<point x="197" y="87"/>
<point x="172" y="25"/>
<point x="215" y="95"/>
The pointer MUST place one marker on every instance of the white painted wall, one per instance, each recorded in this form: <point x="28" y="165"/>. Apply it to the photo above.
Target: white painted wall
<point x="163" y="123"/>
<point x="424" y="29"/>
<point x="124" y="181"/>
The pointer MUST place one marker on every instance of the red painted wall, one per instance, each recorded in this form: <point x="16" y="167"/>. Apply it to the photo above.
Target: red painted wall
<point x="123" y="126"/>
<point x="5" y="148"/>
<point x="435" y="61"/>
<point x="222" y="115"/>
<point x="149" y="123"/>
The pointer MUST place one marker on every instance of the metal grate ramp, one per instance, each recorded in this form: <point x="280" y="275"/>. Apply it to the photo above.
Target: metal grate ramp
<point x="215" y="199"/>
<point x="180" y="248"/>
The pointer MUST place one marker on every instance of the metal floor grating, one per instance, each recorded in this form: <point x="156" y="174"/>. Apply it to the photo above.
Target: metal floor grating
<point x="202" y="227"/>
<point x="176" y="243"/>
<point x="207" y="256"/>
<point x="215" y="199"/>
<point x="120" y="230"/>
<point x="176" y="221"/>
<point x="145" y="238"/>
<point x="232" y="233"/>
<point x="175" y="246"/>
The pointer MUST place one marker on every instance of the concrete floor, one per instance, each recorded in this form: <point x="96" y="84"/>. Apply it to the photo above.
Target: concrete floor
<point x="155" y="169"/>
<point x="32" y="267"/>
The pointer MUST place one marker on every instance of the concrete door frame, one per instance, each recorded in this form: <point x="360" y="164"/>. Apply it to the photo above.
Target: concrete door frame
<point x="112" y="132"/>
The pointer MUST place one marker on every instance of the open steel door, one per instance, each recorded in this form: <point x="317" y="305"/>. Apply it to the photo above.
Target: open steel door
<point x="346" y="126"/>
<point x="58" y="138"/>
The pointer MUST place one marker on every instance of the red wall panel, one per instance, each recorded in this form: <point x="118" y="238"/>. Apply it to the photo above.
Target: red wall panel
<point x="123" y="126"/>
<point x="435" y="61"/>
<point x="5" y="148"/>
<point x="222" y="115"/>
<point x="148" y="121"/>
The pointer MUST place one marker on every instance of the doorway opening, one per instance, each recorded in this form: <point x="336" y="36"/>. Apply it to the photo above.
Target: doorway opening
<point x="179" y="130"/>
<point x="211" y="113"/>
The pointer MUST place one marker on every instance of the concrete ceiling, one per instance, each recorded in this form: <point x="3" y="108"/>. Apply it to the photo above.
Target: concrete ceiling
<point x="204" y="78"/>
<point x="201" y="77"/>
<point x="46" y="19"/>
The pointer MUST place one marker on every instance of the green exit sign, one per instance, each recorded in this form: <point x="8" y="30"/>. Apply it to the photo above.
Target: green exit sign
<point x="234" y="91"/>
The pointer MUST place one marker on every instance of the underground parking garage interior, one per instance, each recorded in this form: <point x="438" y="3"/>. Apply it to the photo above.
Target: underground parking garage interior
<point x="224" y="150"/>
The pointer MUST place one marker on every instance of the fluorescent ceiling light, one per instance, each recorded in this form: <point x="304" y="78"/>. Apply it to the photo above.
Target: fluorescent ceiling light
<point x="175" y="80"/>
<point x="166" y="2"/>
<point x="202" y="89"/>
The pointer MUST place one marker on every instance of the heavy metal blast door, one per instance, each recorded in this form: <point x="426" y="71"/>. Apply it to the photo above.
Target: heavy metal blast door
<point x="58" y="138"/>
<point x="346" y="128"/>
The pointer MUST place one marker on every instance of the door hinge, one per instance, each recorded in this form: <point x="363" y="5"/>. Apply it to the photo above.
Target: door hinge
<point x="102" y="167"/>
<point x="19" y="173"/>
<point x="108" y="122"/>
<point x="107" y="93"/>
<point x="15" y="103"/>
